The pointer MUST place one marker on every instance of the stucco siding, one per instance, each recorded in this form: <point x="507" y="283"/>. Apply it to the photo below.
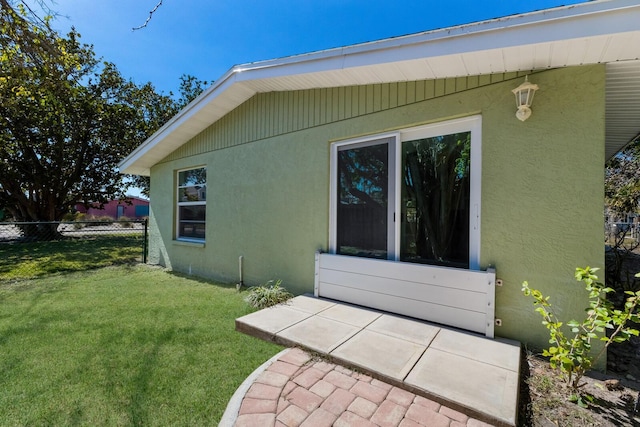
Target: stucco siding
<point x="543" y="197"/>
<point x="268" y="182"/>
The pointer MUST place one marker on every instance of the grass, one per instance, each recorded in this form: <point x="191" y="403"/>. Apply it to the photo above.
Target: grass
<point x="121" y="346"/>
<point x="29" y="260"/>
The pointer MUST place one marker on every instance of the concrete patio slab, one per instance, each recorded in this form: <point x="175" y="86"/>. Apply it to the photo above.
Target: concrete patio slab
<point x="467" y="383"/>
<point x="319" y="333"/>
<point x="392" y="357"/>
<point x="502" y="353"/>
<point x="310" y="305"/>
<point x="466" y="372"/>
<point x="351" y="315"/>
<point x="410" y="330"/>
<point x="273" y="319"/>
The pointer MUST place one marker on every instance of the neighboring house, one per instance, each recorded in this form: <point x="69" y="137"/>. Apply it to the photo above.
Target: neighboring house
<point x="131" y="207"/>
<point x="407" y="149"/>
<point x="621" y="225"/>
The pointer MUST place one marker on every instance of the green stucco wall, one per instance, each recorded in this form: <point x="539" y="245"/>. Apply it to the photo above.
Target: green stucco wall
<point x="268" y="192"/>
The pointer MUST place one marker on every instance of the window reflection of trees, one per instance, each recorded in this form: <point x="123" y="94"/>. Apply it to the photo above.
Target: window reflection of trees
<point x="192" y="177"/>
<point x="363" y="190"/>
<point x="193" y="194"/>
<point x="436" y="185"/>
<point x="363" y="175"/>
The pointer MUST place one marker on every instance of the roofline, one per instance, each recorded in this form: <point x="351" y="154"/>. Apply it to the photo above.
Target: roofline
<point x="436" y="34"/>
<point x="342" y="58"/>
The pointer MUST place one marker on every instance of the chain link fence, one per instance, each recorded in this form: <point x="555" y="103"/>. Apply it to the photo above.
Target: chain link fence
<point x="630" y="230"/>
<point x="32" y="249"/>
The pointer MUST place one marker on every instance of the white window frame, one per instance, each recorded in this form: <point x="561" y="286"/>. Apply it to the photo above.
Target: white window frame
<point x="180" y="204"/>
<point x="471" y="124"/>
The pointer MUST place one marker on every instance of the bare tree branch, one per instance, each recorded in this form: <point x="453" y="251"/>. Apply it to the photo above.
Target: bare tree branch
<point x="149" y="18"/>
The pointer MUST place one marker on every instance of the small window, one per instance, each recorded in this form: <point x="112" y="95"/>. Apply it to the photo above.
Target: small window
<point x="192" y="204"/>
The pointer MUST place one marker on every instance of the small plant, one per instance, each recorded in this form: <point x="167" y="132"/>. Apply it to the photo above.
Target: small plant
<point x="69" y="217"/>
<point x="571" y="353"/>
<point x="125" y="221"/>
<point x="78" y="219"/>
<point x="103" y="220"/>
<point x="267" y="295"/>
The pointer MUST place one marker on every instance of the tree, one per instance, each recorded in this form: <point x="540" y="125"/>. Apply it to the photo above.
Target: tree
<point x="66" y="119"/>
<point x="436" y="178"/>
<point x="622" y="180"/>
<point x="190" y="88"/>
<point x="622" y="193"/>
<point x="151" y="12"/>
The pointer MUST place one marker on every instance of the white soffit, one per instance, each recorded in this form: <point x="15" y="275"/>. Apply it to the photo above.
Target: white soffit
<point x="588" y="33"/>
<point x="622" y="105"/>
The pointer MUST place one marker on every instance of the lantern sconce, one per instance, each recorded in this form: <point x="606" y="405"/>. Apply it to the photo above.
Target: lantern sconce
<point x="524" y="98"/>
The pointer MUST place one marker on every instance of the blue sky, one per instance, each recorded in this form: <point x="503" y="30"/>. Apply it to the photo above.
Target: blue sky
<point x="205" y="38"/>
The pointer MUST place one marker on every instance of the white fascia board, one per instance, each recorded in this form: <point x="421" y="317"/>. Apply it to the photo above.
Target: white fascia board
<point x="585" y="20"/>
<point x="529" y="29"/>
<point x="498" y="26"/>
<point x="127" y="165"/>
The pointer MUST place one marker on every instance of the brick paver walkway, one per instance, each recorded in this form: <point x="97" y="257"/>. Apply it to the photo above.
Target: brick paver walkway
<point x="297" y="391"/>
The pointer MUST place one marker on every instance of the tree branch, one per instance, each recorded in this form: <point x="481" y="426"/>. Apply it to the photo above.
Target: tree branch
<point x="149" y="18"/>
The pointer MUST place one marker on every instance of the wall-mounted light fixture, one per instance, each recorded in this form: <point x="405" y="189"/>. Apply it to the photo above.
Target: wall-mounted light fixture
<point x="524" y="97"/>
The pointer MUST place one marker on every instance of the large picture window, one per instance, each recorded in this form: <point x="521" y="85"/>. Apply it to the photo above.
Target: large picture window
<point x="192" y="204"/>
<point x="412" y="196"/>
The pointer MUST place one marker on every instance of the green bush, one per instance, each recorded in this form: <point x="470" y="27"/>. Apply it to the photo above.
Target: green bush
<point x="267" y="295"/>
<point x="571" y="352"/>
<point x="69" y="217"/>
<point x="125" y="221"/>
<point x="99" y="220"/>
<point x="79" y="217"/>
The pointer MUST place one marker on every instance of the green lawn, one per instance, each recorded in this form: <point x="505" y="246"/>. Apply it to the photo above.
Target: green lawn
<point x="120" y="346"/>
<point x="28" y="260"/>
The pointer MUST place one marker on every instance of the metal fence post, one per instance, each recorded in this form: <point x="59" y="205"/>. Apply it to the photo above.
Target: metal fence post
<point x="145" y="242"/>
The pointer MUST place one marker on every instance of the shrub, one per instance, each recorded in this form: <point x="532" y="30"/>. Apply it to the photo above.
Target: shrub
<point x="267" y="295"/>
<point x="99" y="220"/>
<point x="79" y="217"/>
<point x="571" y="353"/>
<point x="69" y="216"/>
<point x="125" y="221"/>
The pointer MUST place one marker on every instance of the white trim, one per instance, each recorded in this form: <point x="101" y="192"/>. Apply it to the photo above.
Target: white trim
<point x="490" y="319"/>
<point x="363" y="141"/>
<point x="333" y="203"/>
<point x="451" y="296"/>
<point x="178" y="204"/>
<point x="476" y="194"/>
<point x="397" y="205"/>
<point x="199" y="243"/>
<point x="471" y="124"/>
<point x="316" y="280"/>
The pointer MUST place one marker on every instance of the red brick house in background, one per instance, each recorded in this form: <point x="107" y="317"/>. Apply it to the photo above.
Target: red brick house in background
<point x="131" y="207"/>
